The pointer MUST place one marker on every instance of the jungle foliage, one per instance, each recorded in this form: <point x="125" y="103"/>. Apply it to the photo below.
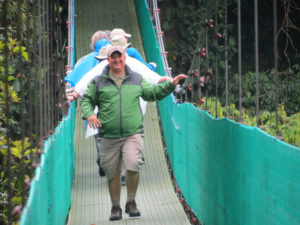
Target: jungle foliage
<point x="183" y="22"/>
<point x="19" y="154"/>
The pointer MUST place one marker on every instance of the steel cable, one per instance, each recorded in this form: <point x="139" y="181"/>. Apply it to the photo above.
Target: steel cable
<point x="256" y="59"/>
<point x="276" y="64"/>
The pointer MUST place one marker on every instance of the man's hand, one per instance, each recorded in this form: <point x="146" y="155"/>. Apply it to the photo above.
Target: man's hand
<point x="165" y="78"/>
<point x="72" y="96"/>
<point x="178" y="78"/>
<point x="93" y="122"/>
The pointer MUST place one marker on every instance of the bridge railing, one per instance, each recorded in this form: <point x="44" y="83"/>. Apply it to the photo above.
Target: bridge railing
<point x="50" y="191"/>
<point x="226" y="172"/>
<point x="49" y="197"/>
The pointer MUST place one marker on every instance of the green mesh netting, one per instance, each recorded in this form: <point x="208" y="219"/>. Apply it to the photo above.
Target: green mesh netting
<point x="151" y="46"/>
<point x="228" y="173"/>
<point x="50" y="191"/>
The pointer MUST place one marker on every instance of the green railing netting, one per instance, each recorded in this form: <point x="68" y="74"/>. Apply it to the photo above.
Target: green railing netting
<point x="151" y="46"/>
<point x="50" y="191"/>
<point x="228" y="173"/>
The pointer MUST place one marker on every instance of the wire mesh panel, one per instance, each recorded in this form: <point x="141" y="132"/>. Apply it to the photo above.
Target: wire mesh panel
<point x="229" y="172"/>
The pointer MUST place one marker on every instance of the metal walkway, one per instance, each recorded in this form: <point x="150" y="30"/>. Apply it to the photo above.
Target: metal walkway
<point x="156" y="198"/>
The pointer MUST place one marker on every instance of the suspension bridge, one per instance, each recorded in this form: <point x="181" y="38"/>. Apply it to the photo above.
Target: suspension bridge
<point x="223" y="172"/>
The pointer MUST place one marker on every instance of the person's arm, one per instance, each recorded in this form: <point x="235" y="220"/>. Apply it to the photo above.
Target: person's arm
<point x="88" y="101"/>
<point x="82" y="85"/>
<point x="86" y="64"/>
<point x="133" y="52"/>
<point x="165" y="78"/>
<point x="157" y="92"/>
<point x="138" y="67"/>
<point x="87" y="104"/>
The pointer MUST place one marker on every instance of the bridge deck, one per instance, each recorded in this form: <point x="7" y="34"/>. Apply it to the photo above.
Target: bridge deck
<point x="156" y="198"/>
<point x="90" y="199"/>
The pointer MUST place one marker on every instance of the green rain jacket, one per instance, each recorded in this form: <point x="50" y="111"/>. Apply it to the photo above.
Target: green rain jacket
<point x="118" y="109"/>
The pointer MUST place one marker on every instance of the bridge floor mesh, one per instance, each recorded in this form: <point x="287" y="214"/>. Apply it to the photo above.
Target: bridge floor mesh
<point x="156" y="198"/>
<point x="90" y="199"/>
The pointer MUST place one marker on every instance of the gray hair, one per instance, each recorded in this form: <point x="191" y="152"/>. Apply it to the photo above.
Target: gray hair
<point x="97" y="36"/>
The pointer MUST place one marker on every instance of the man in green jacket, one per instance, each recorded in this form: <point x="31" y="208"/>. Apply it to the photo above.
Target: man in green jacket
<point x="116" y="93"/>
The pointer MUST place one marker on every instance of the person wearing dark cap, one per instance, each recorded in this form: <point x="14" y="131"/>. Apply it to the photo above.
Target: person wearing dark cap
<point x="116" y="93"/>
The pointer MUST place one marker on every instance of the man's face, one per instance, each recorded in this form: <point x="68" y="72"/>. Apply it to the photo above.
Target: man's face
<point x="116" y="62"/>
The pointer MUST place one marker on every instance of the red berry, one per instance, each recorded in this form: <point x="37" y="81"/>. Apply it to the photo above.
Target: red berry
<point x="211" y="23"/>
<point x="34" y="165"/>
<point x="218" y="36"/>
<point x="17" y="210"/>
<point x="194" y="220"/>
<point x="196" y="73"/>
<point x="40" y="151"/>
<point x="203" y="53"/>
<point x="200" y="101"/>
<point x="229" y="117"/>
<point x="280" y="138"/>
<point x="27" y="182"/>
<point x="208" y="72"/>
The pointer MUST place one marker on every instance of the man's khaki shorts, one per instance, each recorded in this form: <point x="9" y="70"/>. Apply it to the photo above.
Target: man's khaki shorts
<point x="114" y="152"/>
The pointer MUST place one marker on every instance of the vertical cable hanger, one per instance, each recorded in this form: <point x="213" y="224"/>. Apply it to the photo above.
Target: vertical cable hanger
<point x="36" y="65"/>
<point x="52" y="57"/>
<point x="201" y="53"/>
<point x="7" y="185"/>
<point x="45" y="74"/>
<point x="48" y="67"/>
<point x="206" y="64"/>
<point x="39" y="71"/>
<point x="226" y="56"/>
<point x="276" y="64"/>
<point x="22" y="103"/>
<point x="240" y="60"/>
<point x="256" y="60"/>
<point x="29" y="48"/>
<point x="216" y="55"/>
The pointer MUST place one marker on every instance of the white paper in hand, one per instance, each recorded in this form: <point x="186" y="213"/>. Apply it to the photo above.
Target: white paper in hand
<point x="91" y="131"/>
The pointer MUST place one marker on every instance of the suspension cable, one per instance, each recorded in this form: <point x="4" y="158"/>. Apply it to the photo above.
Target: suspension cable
<point x="160" y="39"/>
<point x="216" y="55"/>
<point x="256" y="60"/>
<point x="30" y="79"/>
<point x="206" y="65"/>
<point x="240" y="60"/>
<point x="226" y="56"/>
<point x="36" y="69"/>
<point x="22" y="104"/>
<point x="276" y="64"/>
<point x="7" y="115"/>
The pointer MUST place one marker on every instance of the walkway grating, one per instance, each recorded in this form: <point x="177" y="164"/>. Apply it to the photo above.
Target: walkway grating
<point x="156" y="198"/>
